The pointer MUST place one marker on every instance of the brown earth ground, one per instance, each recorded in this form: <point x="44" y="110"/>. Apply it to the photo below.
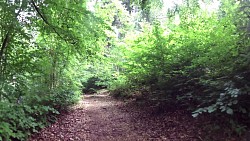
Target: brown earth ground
<point x="100" y="117"/>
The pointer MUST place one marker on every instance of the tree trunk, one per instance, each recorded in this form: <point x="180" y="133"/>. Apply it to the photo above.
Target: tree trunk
<point x="4" y="45"/>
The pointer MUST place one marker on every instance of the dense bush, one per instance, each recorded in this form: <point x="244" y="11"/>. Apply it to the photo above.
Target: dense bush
<point x="202" y="63"/>
<point x="43" y="51"/>
<point x="31" y="108"/>
<point x="93" y="84"/>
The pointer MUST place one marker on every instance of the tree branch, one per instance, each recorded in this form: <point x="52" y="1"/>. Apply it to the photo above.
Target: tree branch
<point x="44" y="19"/>
<point x="4" y="44"/>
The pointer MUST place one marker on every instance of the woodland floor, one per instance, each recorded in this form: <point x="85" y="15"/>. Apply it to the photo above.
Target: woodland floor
<point x="99" y="117"/>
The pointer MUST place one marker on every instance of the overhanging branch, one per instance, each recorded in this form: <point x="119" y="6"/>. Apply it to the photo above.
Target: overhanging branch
<point x="44" y="19"/>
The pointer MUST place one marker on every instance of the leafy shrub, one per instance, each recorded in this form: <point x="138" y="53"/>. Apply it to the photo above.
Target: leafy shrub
<point x="19" y="120"/>
<point x="202" y="63"/>
<point x="93" y="84"/>
<point x="32" y="106"/>
<point x="120" y="88"/>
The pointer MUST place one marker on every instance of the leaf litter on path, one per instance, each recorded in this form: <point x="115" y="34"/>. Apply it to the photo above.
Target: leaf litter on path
<point x="100" y="117"/>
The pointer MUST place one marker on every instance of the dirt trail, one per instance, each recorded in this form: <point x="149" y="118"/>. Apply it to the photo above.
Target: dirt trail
<point x="101" y="118"/>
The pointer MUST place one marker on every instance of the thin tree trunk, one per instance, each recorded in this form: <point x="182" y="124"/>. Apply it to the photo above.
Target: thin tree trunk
<point x="4" y="45"/>
<point x="2" y="66"/>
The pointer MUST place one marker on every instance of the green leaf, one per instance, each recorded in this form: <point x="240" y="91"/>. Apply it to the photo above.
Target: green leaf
<point x="211" y="109"/>
<point x="229" y="111"/>
<point x="195" y="115"/>
<point x="235" y="101"/>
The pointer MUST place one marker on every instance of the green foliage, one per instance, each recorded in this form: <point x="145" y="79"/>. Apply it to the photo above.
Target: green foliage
<point x="200" y="63"/>
<point x="120" y="88"/>
<point x="52" y="50"/>
<point x="18" y="121"/>
<point x="92" y="85"/>
<point x="44" y="48"/>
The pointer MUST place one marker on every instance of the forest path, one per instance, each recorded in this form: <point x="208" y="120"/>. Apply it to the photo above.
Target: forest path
<point x="99" y="117"/>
